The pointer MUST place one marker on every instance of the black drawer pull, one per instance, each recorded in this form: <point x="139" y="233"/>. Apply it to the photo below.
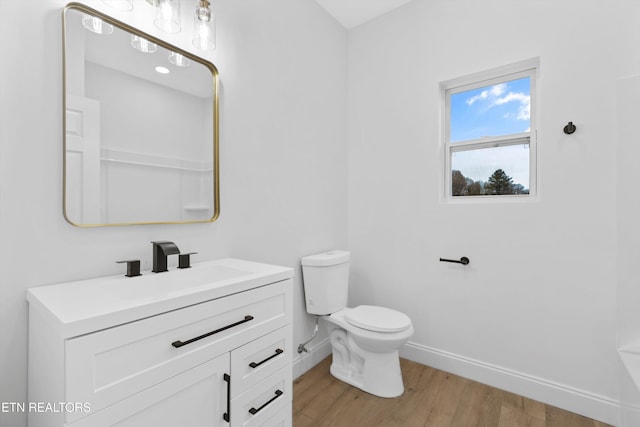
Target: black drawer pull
<point x="227" y="415"/>
<point x="254" y="411"/>
<point x="278" y="352"/>
<point x="178" y="344"/>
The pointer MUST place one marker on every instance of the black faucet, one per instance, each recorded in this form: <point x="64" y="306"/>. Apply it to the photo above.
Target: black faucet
<point x="160" y="252"/>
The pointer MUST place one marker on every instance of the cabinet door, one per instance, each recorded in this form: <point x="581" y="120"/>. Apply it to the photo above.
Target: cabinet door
<point x="197" y="397"/>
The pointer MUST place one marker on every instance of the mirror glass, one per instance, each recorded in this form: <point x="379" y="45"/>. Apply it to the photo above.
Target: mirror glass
<point x="140" y="127"/>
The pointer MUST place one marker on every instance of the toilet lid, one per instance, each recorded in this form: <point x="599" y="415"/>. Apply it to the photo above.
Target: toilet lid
<point x="377" y="319"/>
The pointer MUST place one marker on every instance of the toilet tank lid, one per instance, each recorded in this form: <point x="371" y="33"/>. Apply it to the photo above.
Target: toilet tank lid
<point x="327" y="258"/>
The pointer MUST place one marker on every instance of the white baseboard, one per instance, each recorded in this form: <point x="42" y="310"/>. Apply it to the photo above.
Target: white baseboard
<point x="307" y="360"/>
<point x="591" y="405"/>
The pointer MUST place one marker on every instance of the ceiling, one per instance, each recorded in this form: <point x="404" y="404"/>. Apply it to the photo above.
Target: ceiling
<point x="351" y="13"/>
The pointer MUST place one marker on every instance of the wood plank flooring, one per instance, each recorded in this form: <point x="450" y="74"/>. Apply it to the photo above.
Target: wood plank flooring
<point x="432" y="398"/>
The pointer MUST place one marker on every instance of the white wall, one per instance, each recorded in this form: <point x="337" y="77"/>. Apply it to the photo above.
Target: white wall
<point x="282" y="69"/>
<point x="535" y="311"/>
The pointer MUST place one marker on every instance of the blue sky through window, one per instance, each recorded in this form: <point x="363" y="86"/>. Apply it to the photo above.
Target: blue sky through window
<point x="490" y="111"/>
<point x="495" y="110"/>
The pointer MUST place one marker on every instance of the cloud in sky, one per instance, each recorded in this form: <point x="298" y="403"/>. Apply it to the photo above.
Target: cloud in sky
<point x="495" y="95"/>
<point x="493" y="92"/>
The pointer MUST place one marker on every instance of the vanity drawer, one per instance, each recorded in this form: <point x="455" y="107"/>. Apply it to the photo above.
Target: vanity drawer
<point x="110" y="365"/>
<point x="257" y="360"/>
<point x="281" y="419"/>
<point x="265" y="403"/>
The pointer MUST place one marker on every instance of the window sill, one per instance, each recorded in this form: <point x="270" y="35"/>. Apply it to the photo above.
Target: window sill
<point x="506" y="199"/>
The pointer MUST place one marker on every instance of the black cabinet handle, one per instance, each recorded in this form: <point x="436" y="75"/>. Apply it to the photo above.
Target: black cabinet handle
<point x="227" y="415"/>
<point x="278" y="352"/>
<point x="178" y="344"/>
<point x="254" y="411"/>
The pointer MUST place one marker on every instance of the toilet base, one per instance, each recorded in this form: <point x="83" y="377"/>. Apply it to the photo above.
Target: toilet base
<point x="375" y="373"/>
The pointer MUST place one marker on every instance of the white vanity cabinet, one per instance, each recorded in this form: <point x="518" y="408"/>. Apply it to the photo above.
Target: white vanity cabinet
<point x="205" y="346"/>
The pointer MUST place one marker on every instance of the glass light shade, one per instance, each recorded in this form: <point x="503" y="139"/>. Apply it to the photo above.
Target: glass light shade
<point x="123" y="5"/>
<point x="168" y="16"/>
<point x="143" y="45"/>
<point x="178" y="59"/>
<point x="96" y="25"/>
<point x="204" y="27"/>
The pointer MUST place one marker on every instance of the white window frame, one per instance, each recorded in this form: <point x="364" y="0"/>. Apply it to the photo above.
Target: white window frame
<point x="529" y="68"/>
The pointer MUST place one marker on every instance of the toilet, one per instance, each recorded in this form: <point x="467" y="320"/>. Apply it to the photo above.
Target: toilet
<point x="364" y="339"/>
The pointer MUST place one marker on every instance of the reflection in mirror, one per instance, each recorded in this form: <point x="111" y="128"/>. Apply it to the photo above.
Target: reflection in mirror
<point x="141" y="137"/>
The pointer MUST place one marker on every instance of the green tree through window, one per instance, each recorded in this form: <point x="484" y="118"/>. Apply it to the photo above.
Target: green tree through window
<point x="499" y="183"/>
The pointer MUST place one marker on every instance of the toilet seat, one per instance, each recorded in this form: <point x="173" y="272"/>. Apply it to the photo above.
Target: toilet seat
<point x="377" y="319"/>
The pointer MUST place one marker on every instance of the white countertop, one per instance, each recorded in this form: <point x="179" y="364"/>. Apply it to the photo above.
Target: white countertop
<point x="76" y="308"/>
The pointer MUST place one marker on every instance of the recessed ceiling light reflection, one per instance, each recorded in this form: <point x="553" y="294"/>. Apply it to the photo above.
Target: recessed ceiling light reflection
<point x="178" y="59"/>
<point x="143" y="45"/>
<point x="162" y="70"/>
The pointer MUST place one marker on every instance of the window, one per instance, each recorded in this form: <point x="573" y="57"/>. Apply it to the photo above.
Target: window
<point x="490" y="134"/>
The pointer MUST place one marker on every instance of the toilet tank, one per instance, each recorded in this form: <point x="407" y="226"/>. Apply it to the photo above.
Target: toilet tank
<point x="326" y="281"/>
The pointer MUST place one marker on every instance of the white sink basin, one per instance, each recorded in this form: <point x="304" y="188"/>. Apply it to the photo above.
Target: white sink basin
<point x="157" y="285"/>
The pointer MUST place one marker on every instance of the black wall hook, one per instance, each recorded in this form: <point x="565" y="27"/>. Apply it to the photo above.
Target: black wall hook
<point x="570" y="128"/>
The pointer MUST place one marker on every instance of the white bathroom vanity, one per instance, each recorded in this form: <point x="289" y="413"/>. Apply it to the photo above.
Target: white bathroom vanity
<point x="204" y="346"/>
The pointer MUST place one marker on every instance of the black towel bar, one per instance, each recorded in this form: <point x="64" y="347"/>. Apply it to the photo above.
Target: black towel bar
<point x="464" y="260"/>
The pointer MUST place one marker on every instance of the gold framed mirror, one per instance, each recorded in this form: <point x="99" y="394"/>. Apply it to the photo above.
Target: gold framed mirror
<point x="140" y="126"/>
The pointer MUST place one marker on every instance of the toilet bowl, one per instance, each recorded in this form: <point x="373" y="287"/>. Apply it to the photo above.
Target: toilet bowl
<point x="364" y="339"/>
<point x="364" y="355"/>
<point x="375" y="329"/>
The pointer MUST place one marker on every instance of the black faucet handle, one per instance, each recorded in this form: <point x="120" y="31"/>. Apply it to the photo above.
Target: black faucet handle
<point x="133" y="267"/>
<point x="184" y="260"/>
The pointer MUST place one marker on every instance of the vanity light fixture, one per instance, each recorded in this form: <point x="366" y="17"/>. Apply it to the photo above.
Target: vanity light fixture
<point x="142" y="44"/>
<point x="168" y="16"/>
<point x="204" y="26"/>
<point x="180" y="60"/>
<point x="123" y="5"/>
<point x="96" y="25"/>
<point x="168" y="20"/>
